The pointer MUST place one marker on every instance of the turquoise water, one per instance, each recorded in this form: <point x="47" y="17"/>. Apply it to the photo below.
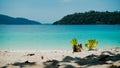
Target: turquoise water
<point x="48" y="37"/>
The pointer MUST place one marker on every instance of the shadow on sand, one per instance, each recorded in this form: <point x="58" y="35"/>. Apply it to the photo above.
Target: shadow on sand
<point x="90" y="60"/>
<point x="68" y="61"/>
<point x="20" y="64"/>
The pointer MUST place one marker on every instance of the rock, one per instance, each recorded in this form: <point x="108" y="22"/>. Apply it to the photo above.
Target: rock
<point x="42" y="57"/>
<point x="30" y="54"/>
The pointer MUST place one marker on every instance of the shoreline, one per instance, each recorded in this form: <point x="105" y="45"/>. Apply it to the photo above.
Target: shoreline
<point x="61" y="58"/>
<point x="38" y="50"/>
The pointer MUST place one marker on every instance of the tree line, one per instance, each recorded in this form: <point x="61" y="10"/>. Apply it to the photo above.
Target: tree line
<point x="91" y="17"/>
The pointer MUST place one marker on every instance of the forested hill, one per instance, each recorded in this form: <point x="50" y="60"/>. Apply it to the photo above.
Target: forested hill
<point x="7" y="20"/>
<point x="91" y="17"/>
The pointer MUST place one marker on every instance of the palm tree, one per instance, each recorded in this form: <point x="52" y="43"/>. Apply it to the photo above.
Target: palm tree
<point x="91" y="44"/>
<point x="74" y="43"/>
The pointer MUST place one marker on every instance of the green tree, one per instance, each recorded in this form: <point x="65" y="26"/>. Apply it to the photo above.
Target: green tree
<point x="91" y="17"/>
<point x="74" y="43"/>
<point x="91" y="44"/>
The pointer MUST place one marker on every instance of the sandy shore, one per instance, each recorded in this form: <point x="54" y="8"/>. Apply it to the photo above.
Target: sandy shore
<point x="99" y="58"/>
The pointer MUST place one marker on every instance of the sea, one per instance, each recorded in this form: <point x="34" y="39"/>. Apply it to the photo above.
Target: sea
<point x="56" y="37"/>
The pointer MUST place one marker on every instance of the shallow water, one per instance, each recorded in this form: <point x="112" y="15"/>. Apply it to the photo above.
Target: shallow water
<point x="48" y="37"/>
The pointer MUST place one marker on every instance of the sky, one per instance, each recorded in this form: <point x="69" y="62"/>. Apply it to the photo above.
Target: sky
<point x="49" y="11"/>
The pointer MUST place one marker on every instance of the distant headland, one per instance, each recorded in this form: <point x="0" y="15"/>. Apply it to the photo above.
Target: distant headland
<point x="7" y="20"/>
<point x="86" y="18"/>
<point x="90" y="18"/>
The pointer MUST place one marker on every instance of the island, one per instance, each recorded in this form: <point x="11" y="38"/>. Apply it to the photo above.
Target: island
<point x="90" y="18"/>
<point x="7" y="20"/>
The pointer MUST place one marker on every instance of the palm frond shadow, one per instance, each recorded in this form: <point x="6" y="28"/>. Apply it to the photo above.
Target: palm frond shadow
<point x="89" y="60"/>
<point x="20" y="64"/>
<point x="23" y="64"/>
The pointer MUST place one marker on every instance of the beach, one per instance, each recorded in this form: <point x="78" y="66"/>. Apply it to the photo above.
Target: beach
<point x="98" y="58"/>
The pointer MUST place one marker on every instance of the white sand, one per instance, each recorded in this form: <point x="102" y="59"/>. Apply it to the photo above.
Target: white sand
<point x="59" y="59"/>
